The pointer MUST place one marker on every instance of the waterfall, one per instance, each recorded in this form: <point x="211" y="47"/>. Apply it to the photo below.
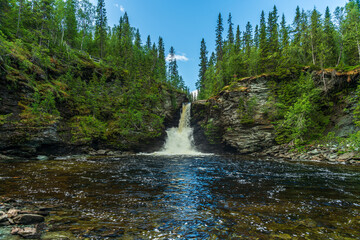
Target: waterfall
<point x="180" y="140"/>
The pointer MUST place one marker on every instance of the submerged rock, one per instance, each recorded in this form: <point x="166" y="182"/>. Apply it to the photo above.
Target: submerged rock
<point x="42" y="158"/>
<point x="28" y="219"/>
<point x="27" y="232"/>
<point x="58" y="235"/>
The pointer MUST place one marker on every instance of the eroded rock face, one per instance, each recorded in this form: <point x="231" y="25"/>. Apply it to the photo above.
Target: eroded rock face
<point x="236" y="119"/>
<point x="24" y="139"/>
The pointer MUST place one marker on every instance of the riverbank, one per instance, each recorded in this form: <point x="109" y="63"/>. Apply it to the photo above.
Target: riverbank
<point x="312" y="154"/>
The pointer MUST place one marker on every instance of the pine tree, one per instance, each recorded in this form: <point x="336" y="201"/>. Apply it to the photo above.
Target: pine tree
<point x="256" y="37"/>
<point x="86" y="15"/>
<point x="219" y="40"/>
<point x="262" y="43"/>
<point x="238" y="40"/>
<point x="248" y="41"/>
<point x="173" y="75"/>
<point x="272" y="32"/>
<point x="297" y="27"/>
<point x="5" y="8"/>
<point x="137" y="42"/>
<point x="101" y="26"/>
<point x="329" y="40"/>
<point x="200" y="85"/>
<point x="161" y="62"/>
<point x="70" y="22"/>
<point x="284" y="34"/>
<point x="230" y="36"/>
<point x="339" y="26"/>
<point x="45" y="10"/>
<point x="148" y="43"/>
<point x="351" y="26"/>
<point x="315" y="34"/>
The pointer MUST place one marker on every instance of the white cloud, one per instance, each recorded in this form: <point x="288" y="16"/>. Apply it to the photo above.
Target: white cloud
<point x="121" y="7"/>
<point x="177" y="57"/>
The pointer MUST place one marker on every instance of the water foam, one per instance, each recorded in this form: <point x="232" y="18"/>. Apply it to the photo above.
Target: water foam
<point x="180" y="140"/>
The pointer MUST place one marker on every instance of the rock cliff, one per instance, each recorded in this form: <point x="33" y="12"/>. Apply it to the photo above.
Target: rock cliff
<point x="239" y="119"/>
<point x="25" y="136"/>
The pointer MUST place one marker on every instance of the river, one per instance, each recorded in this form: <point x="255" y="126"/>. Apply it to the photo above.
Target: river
<point x="189" y="197"/>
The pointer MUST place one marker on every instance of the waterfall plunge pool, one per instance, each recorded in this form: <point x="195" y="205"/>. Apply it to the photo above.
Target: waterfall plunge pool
<point x="193" y="197"/>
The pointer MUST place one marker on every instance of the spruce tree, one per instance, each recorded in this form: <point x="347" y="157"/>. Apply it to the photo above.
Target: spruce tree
<point x="137" y="42"/>
<point x="200" y="85"/>
<point x="148" y="43"/>
<point x="262" y="42"/>
<point x="248" y="41"/>
<point x="284" y="33"/>
<point x="315" y="34"/>
<point x="70" y="22"/>
<point x="161" y="61"/>
<point x="101" y="25"/>
<point x="256" y="37"/>
<point x="329" y="40"/>
<point x="238" y="40"/>
<point x="230" y="36"/>
<point x="219" y="39"/>
<point x="174" y="78"/>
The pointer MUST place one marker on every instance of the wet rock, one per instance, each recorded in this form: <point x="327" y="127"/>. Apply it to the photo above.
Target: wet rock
<point x="58" y="235"/>
<point x="28" y="219"/>
<point x="13" y="212"/>
<point x="27" y="232"/>
<point x="354" y="162"/>
<point x="101" y="152"/>
<point x="346" y="156"/>
<point x="318" y="157"/>
<point x="314" y="152"/>
<point x="4" y="157"/>
<point x="42" y="157"/>
<point x="3" y="217"/>
<point x="5" y="223"/>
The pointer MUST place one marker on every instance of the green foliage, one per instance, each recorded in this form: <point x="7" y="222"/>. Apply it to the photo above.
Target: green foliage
<point x="4" y="118"/>
<point x="53" y="56"/>
<point x="312" y="40"/>
<point x="300" y="117"/>
<point x="85" y="129"/>
<point x="247" y="109"/>
<point x="212" y="132"/>
<point x="44" y="103"/>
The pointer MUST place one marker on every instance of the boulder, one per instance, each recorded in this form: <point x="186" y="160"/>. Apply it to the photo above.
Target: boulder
<point x="28" y="219"/>
<point x="13" y="212"/>
<point x="347" y="156"/>
<point x="27" y="232"/>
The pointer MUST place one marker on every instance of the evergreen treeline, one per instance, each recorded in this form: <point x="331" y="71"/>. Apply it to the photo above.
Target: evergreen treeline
<point x="274" y="46"/>
<point x="102" y="81"/>
<point x="57" y="25"/>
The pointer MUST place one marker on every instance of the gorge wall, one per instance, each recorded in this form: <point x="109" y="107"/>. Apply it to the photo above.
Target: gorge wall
<point x="240" y="118"/>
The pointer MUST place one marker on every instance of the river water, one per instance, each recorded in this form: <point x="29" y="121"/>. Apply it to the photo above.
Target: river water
<point x="189" y="197"/>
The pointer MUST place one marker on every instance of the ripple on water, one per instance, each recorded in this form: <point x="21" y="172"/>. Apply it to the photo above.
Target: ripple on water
<point x="190" y="197"/>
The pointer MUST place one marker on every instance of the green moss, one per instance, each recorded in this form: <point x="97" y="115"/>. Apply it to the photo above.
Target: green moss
<point x="247" y="109"/>
<point x="87" y="128"/>
<point x="212" y="132"/>
<point x="4" y="118"/>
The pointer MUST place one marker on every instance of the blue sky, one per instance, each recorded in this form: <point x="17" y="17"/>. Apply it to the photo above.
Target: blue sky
<point x="183" y="23"/>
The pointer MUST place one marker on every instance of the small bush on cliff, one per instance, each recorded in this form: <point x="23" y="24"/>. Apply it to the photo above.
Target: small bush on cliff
<point x="303" y="119"/>
<point x="247" y="109"/>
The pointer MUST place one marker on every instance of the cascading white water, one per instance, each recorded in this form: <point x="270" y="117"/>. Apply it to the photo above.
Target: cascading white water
<point x="180" y="140"/>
